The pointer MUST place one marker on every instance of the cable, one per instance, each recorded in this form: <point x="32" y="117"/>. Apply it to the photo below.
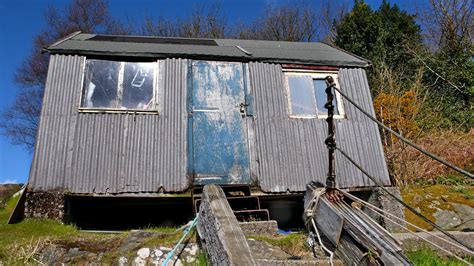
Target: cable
<point x="309" y="213"/>
<point x="381" y="212"/>
<point x="432" y="156"/>
<point x="186" y="232"/>
<point x="409" y="231"/>
<point x="331" y="254"/>
<point x="400" y="201"/>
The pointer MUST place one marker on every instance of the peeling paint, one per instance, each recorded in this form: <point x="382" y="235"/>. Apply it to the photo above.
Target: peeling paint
<point x="220" y="145"/>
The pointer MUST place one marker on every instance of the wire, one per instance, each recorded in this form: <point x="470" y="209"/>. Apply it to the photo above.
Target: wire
<point x="406" y="229"/>
<point x="400" y="201"/>
<point x="186" y="232"/>
<point x="407" y="141"/>
<point x="309" y="213"/>
<point x="382" y="212"/>
<point x="331" y="254"/>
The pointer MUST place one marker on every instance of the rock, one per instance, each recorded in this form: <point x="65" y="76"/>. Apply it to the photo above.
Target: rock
<point x="194" y="250"/>
<point x="263" y="250"/>
<point x="165" y="249"/>
<point x="466" y="214"/>
<point x="158" y="253"/>
<point x="139" y="262"/>
<point x="143" y="253"/>
<point x="447" y="219"/>
<point x="123" y="261"/>
<point x="190" y="259"/>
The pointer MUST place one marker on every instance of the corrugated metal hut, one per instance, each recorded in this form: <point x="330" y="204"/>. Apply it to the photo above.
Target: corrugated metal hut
<point x="142" y="116"/>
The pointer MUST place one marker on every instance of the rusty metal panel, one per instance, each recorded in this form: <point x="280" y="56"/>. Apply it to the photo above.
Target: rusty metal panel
<point x="110" y="153"/>
<point x="291" y="151"/>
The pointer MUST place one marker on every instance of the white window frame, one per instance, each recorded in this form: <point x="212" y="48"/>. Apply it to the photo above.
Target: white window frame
<point x="120" y="77"/>
<point x="314" y="75"/>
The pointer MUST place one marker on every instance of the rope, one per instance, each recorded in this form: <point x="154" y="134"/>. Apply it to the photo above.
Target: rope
<point x="381" y="213"/>
<point x="400" y="201"/>
<point x="186" y="232"/>
<point x="331" y="254"/>
<point x="309" y="213"/>
<point x="432" y="156"/>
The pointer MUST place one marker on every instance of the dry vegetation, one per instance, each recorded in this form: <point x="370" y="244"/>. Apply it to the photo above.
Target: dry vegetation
<point x="409" y="166"/>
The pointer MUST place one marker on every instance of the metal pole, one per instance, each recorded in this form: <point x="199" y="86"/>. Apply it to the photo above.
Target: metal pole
<point x="331" y="139"/>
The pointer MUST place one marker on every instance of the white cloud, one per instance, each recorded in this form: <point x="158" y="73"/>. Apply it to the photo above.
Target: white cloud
<point x="8" y="181"/>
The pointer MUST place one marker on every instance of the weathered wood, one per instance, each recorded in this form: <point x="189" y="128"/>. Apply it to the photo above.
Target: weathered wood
<point x="219" y="230"/>
<point x="329" y="221"/>
<point x="361" y="240"/>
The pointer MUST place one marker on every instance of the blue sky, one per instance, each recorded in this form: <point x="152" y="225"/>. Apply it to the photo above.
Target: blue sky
<point x="21" y="20"/>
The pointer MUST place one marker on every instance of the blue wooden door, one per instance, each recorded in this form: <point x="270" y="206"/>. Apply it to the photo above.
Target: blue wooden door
<point x="219" y="131"/>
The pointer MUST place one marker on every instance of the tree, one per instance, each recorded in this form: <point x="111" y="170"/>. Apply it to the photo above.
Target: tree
<point x="204" y="22"/>
<point x="21" y="120"/>
<point x="380" y="36"/>
<point x="287" y="22"/>
<point x="448" y="61"/>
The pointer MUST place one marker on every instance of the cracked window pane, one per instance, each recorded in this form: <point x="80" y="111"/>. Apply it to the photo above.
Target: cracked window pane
<point x="302" y="96"/>
<point x="100" y="84"/>
<point x="138" y="86"/>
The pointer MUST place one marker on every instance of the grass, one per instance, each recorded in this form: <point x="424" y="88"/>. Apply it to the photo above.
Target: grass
<point x="293" y="244"/>
<point x="428" y="257"/>
<point x="201" y="260"/>
<point x="20" y="242"/>
<point x="27" y="232"/>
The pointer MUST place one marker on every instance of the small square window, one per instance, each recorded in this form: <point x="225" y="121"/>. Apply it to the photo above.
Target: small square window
<point x="307" y="93"/>
<point x="119" y="85"/>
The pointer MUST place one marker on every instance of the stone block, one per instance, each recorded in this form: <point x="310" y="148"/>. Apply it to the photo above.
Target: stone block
<point x="45" y="204"/>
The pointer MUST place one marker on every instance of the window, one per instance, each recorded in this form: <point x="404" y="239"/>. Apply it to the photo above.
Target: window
<point x="119" y="85"/>
<point x="307" y="93"/>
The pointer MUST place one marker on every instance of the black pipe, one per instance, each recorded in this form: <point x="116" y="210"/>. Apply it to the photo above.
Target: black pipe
<point x="331" y="139"/>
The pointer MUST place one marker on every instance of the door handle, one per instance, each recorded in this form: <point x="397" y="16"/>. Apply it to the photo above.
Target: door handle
<point x="243" y="110"/>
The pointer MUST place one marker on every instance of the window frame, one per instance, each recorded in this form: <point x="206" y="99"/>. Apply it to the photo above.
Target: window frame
<point x="154" y="110"/>
<point x="314" y="74"/>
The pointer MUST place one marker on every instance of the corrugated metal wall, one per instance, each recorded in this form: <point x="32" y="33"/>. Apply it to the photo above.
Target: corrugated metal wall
<point x="121" y="153"/>
<point x="110" y="153"/>
<point x="291" y="151"/>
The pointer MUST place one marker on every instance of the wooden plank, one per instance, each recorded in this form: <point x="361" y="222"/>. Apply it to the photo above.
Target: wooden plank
<point x="219" y="230"/>
<point x="329" y="221"/>
<point x="356" y="236"/>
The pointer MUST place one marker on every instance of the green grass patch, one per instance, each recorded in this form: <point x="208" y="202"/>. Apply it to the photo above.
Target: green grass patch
<point x="169" y="239"/>
<point x="19" y="242"/>
<point x="16" y="238"/>
<point x="428" y="257"/>
<point x="201" y="260"/>
<point x="293" y="244"/>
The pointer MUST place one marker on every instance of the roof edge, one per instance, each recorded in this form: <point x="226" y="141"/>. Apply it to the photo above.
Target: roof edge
<point x="68" y="37"/>
<point x="369" y="63"/>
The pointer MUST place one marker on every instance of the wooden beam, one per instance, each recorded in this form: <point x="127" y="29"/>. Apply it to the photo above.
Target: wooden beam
<point x="356" y="237"/>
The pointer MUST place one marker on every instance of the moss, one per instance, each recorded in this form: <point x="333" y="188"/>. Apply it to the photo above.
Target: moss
<point x="429" y="198"/>
<point x="293" y="244"/>
<point x="169" y="239"/>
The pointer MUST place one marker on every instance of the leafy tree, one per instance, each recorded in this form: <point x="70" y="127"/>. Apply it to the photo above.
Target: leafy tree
<point x="382" y="37"/>
<point x="21" y="120"/>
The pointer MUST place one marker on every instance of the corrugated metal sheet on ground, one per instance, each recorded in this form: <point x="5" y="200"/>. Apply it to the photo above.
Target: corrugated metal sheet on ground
<point x="110" y="153"/>
<point x="291" y="152"/>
